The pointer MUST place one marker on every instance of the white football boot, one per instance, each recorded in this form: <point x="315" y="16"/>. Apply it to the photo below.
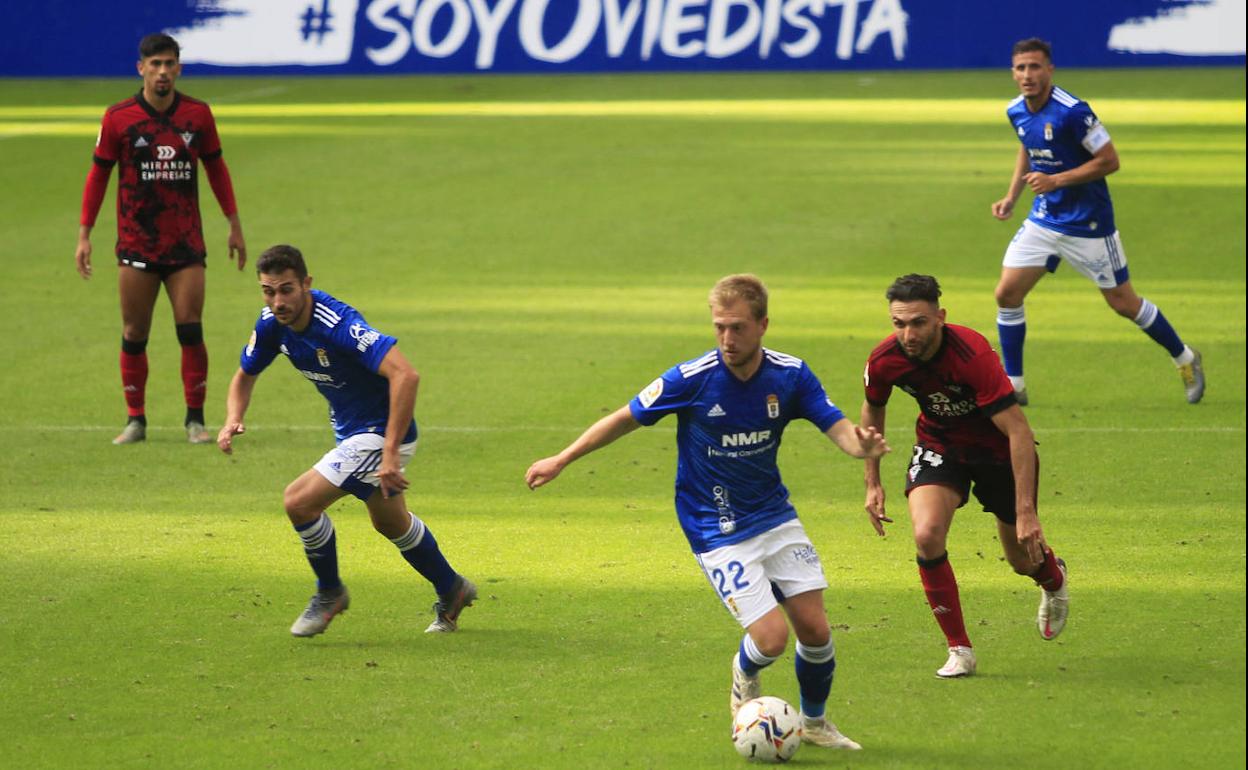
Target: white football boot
<point x="961" y="663"/>
<point x="447" y="608"/>
<point x="196" y="433"/>
<point x="133" y="433"/>
<point x="1054" y="607"/>
<point x="1193" y="375"/>
<point x="322" y="608"/>
<point x="744" y="688"/>
<point x="820" y="732"/>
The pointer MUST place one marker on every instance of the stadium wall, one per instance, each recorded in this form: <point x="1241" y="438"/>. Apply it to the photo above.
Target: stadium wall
<point x="75" y="38"/>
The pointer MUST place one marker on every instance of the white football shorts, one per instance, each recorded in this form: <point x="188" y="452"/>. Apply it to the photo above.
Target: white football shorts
<point x="352" y="465"/>
<point x="1102" y="260"/>
<point x="743" y="574"/>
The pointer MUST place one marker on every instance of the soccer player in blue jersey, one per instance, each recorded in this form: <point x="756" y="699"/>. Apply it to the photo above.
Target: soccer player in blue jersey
<point x="1064" y="157"/>
<point x="732" y="405"/>
<point x="371" y="390"/>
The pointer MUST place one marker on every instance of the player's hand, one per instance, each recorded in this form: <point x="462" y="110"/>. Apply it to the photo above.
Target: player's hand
<point x="1030" y="536"/>
<point x="1041" y="183"/>
<point x="1003" y="209"/>
<point x="875" y="508"/>
<point x="391" y="476"/>
<point x="226" y="435"/>
<point x="238" y="246"/>
<point x="871" y="441"/>
<point x="82" y="258"/>
<point x="543" y="472"/>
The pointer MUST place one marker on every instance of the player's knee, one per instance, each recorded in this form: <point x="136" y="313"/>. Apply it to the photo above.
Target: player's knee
<point x="1008" y="296"/>
<point x="190" y="334"/>
<point x="930" y="543"/>
<point x="297" y="508"/>
<point x="773" y="643"/>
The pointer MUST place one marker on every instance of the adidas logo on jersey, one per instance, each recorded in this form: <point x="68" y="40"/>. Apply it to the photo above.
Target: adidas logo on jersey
<point x="141" y="142"/>
<point x="716" y="411"/>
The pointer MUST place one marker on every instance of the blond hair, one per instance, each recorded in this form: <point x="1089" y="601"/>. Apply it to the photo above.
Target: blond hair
<point x="742" y="286"/>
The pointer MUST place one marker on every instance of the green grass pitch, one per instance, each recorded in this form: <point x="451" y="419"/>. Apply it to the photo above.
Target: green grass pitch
<point x="542" y="247"/>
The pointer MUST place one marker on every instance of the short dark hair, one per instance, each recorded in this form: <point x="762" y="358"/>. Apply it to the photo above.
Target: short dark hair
<point x="280" y="258"/>
<point x="1033" y="44"/>
<point x="156" y="43"/>
<point x="913" y="288"/>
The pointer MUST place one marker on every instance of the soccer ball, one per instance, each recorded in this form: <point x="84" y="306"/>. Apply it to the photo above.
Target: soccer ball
<point x="767" y="729"/>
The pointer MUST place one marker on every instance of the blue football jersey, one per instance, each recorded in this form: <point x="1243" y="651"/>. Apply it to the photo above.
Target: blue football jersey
<point x="728" y="487"/>
<point x="340" y="354"/>
<point x="1065" y="134"/>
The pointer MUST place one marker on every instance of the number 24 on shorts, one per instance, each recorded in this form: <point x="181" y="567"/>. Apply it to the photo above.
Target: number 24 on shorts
<point x="928" y="456"/>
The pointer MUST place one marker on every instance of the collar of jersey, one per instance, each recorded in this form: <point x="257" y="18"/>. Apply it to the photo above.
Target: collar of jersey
<point x="150" y="110"/>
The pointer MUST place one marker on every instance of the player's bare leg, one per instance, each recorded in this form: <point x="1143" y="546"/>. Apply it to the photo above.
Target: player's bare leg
<point x="185" y="288"/>
<point x="1126" y="303"/>
<point x="815" y="664"/>
<point x="931" y="515"/>
<point x="1049" y="574"/>
<point x="1012" y="289"/>
<point x="138" y="291"/>
<point x="419" y="547"/>
<point x="306" y="499"/>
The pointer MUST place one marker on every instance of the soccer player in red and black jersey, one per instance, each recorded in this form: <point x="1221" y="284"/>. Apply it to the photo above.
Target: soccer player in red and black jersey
<point x="156" y="138"/>
<point x="971" y="436"/>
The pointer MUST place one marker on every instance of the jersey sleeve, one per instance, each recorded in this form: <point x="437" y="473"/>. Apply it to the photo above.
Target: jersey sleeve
<point x="813" y="403"/>
<point x="106" y="144"/>
<point x="262" y="348"/>
<point x="210" y="146"/>
<point x="1087" y="128"/>
<point x="668" y="393"/>
<point x="353" y="337"/>
<point x="993" y="391"/>
<point x="877" y="387"/>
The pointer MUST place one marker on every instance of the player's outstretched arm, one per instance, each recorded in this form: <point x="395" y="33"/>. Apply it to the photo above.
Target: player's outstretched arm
<point x="873" y="417"/>
<point x="613" y="426"/>
<point x="236" y="403"/>
<point x="857" y="440"/>
<point x="1013" y="423"/>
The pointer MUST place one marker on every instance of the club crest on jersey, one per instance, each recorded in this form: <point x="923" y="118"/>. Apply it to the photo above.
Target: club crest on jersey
<point x="773" y="406"/>
<point x="187" y="138"/>
<point x="322" y="358"/>
<point x="651" y="393"/>
<point x="1048" y="132"/>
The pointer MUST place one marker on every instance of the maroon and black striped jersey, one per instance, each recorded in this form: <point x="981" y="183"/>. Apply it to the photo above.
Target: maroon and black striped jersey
<point x="958" y="390"/>
<point x="157" y="158"/>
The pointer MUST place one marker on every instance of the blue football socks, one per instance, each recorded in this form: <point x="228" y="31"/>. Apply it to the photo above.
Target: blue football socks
<point x="815" y="666"/>
<point x="320" y="545"/>
<point x="1012" y="331"/>
<point x="421" y="550"/>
